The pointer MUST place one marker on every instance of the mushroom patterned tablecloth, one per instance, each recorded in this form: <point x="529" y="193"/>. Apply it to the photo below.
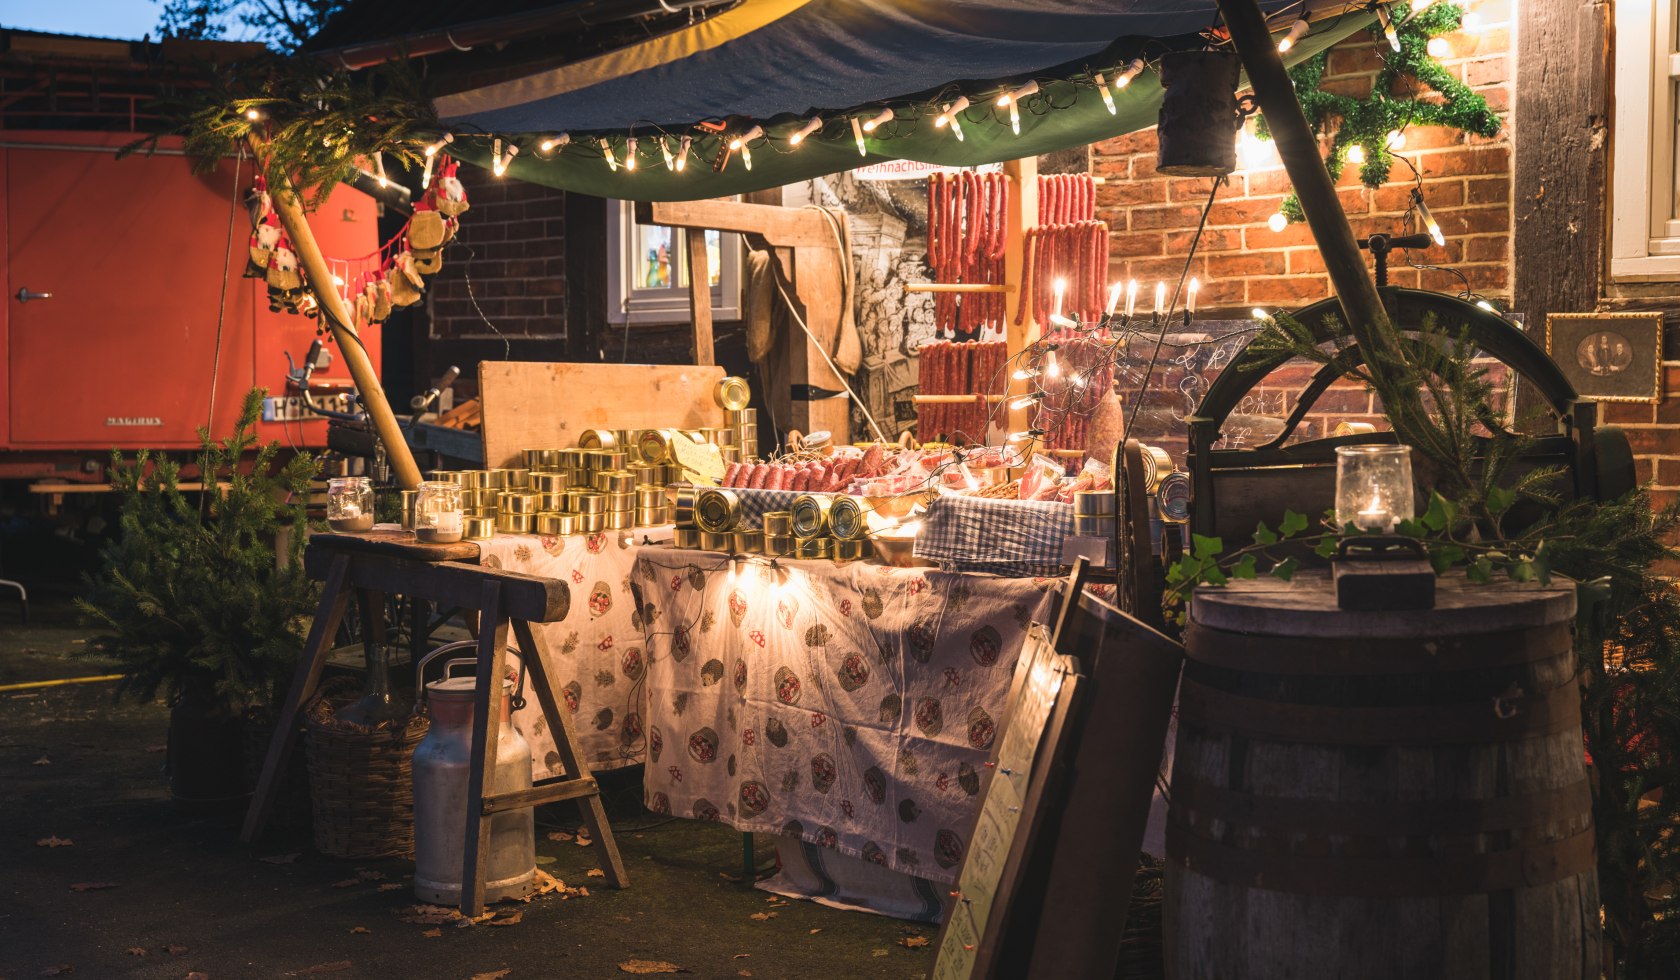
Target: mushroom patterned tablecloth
<point x="594" y="656"/>
<point x="852" y="705"/>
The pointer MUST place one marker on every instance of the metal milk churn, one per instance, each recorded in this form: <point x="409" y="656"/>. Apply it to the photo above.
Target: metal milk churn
<point x="441" y="764"/>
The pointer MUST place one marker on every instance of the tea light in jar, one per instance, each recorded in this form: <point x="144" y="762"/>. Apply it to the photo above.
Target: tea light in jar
<point x="1375" y="515"/>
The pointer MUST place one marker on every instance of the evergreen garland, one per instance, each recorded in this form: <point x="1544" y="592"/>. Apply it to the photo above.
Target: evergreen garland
<point x="1368" y="121"/>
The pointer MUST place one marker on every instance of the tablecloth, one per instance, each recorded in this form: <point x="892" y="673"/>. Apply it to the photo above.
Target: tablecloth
<point x="852" y="705"/>
<point x="595" y="656"/>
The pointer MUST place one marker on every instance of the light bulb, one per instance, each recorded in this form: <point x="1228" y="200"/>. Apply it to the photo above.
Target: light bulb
<point x="1024" y="374"/>
<point x="554" y="142"/>
<point x="443" y="141"/>
<point x="253" y="114"/>
<point x="1102" y="87"/>
<point x="1261" y="315"/>
<point x="1060" y="288"/>
<point x="885" y="116"/>
<point x="1133" y="69"/>
<point x="811" y="125"/>
<point x="1131" y="297"/>
<point x="742" y="140"/>
<point x="1484" y="304"/>
<point x="682" y="153"/>
<point x="1014" y="119"/>
<point x="630" y="153"/>
<point x="1025" y="401"/>
<point x="949" y="115"/>
<point x="1278" y="221"/>
<point x="1010" y="98"/>
<point x="1387" y="21"/>
<point x="1428" y="219"/>
<point x="1297" y="31"/>
<point x="1356" y="153"/>
<point x="1052" y="367"/>
<point x="857" y="134"/>
<point x="1113" y="298"/>
<point x="665" y="151"/>
<point x="606" y="151"/>
<point x="1190" y="297"/>
<point x="379" y="169"/>
<point x="1395" y="139"/>
<point x="1066" y="323"/>
<point x="1472" y="21"/>
<point x="499" y="160"/>
<point x="1160" y="297"/>
<point x="956" y="126"/>
<point x="1438" y="47"/>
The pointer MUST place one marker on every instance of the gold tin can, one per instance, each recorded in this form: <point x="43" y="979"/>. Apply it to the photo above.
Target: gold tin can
<point x="723" y="437"/>
<point x="643" y="472"/>
<point x="517" y="502"/>
<point x="747" y="542"/>
<point x="406" y="500"/>
<point x="472" y="479"/>
<point x="732" y="394"/>
<point x="579" y="478"/>
<point x="746" y="432"/>
<point x="729" y="454"/>
<point x="682" y="506"/>
<point x="515" y="523"/>
<point x="551" y="503"/>
<point x="852" y="550"/>
<point x="654" y="445"/>
<point x="591" y="523"/>
<point x="1157" y="463"/>
<point x="650" y="496"/>
<point x="650" y="516"/>
<point x="495" y="478"/>
<point x="745" y="416"/>
<point x="809" y="515"/>
<point x="598" y="439"/>
<point x="1093" y="503"/>
<point x="715" y="541"/>
<point x="480" y="497"/>
<point x="548" y="482"/>
<point x="817" y="547"/>
<point x="572" y="459"/>
<point x="478" y="528"/>
<point x="778" y="545"/>
<point x="686" y="537"/>
<point x="548" y="523"/>
<point x="846" y="519"/>
<point x="616" y="460"/>
<point x="615" y="481"/>
<point x="620" y="520"/>
<point x="621" y="503"/>
<point x="778" y="523"/>
<point x="716" y="510"/>
<point x="1089" y="526"/>
<point x="587" y="501"/>
<point x="442" y="476"/>
<point x="569" y="523"/>
<point x="518" y="477"/>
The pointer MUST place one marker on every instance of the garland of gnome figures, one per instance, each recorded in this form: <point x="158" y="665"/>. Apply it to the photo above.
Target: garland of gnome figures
<point x="389" y="278"/>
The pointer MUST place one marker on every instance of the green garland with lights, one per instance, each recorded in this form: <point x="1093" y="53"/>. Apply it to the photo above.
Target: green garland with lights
<point x="1367" y="122"/>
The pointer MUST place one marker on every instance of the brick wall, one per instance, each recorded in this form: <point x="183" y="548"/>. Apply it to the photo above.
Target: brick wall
<point x="1242" y="263"/>
<point x="515" y="269"/>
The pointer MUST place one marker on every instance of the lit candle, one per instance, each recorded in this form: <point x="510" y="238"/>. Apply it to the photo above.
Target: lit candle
<point x="1131" y="298"/>
<point x="1160" y="297"/>
<point x="1375" y="515"/>
<point x="1113" y="298"/>
<point x="1190" y="300"/>
<point x="1061" y="287"/>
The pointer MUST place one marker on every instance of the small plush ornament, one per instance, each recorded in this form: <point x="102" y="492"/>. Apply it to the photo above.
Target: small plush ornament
<point x="263" y="240"/>
<point x="285" y="283"/>
<point x="308" y="306"/>
<point x="428" y="262"/>
<point x="427" y="230"/>
<point x="381" y="299"/>
<point x="406" y="284"/>
<point x="449" y="195"/>
<point x="258" y="203"/>
<point x="363" y="312"/>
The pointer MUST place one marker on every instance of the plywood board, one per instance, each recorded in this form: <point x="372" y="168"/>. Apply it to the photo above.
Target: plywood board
<point x="544" y="405"/>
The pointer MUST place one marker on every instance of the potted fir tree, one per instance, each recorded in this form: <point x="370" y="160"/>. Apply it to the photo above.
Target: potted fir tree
<point x="202" y="594"/>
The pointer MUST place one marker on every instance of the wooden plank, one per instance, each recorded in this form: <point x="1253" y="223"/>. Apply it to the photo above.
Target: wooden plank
<point x="335" y="598"/>
<point x="778" y="226"/>
<point x="487" y="719"/>
<point x="540" y="405"/>
<point x="532" y="597"/>
<point x="700" y="297"/>
<point x="394" y="544"/>
<point x="553" y="792"/>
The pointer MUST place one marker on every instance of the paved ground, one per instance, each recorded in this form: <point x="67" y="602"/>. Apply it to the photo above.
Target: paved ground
<point x="189" y="896"/>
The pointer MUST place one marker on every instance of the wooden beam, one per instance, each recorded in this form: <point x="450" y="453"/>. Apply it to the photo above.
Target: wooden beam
<point x="1298" y="148"/>
<point x="528" y="597"/>
<point x="700" y="297"/>
<point x="787" y="227"/>
<point x="1023" y="213"/>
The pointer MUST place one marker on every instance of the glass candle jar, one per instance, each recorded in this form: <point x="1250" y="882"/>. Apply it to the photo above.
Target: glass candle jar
<point x="437" y="513"/>
<point x="1373" y="487"/>
<point x="350" y="503"/>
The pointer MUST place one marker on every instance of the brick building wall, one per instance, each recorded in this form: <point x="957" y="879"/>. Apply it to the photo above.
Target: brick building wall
<point x="1242" y="263"/>
<point x="515" y="269"/>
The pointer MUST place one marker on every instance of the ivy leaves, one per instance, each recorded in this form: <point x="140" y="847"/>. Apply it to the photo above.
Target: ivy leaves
<point x="1207" y="564"/>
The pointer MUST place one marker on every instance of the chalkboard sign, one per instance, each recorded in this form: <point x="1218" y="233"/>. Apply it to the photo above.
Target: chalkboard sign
<point x="1045" y="687"/>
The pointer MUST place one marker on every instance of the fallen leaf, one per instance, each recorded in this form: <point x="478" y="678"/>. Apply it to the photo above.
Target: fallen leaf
<point x="559" y="835"/>
<point x="464" y="922"/>
<point x="347" y="883"/>
<point x="584" y="892"/>
<point x="431" y="933"/>
<point x="137" y="951"/>
<point x="360" y="930"/>
<point x="44" y="761"/>
<point x="914" y="942"/>
<point x="726" y="876"/>
<point x="337" y="966"/>
<point x="591" y="873"/>
<point x="743" y="973"/>
<point x="175" y="949"/>
<point x="428" y="915"/>
<point x="763" y="916"/>
<point x="391" y="886"/>
<point x="196" y="975"/>
<point x="153" y="749"/>
<point x="92" y="886"/>
<point x="366" y="875"/>
<point x="584" y="842"/>
<point x="280" y="858"/>
<point x="508" y="920"/>
<point x="881" y="952"/>
<point x="740" y="956"/>
<point x="55" y="842"/>
<point x="815" y="931"/>
<point x="62" y="968"/>
<point x="498" y="975"/>
<point x="650" y="966"/>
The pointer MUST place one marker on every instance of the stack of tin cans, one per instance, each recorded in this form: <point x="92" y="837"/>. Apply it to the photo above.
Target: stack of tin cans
<point x="740" y="429"/>
<point x="1093" y="513"/>
<point x="570" y="491"/>
<point x="817" y="526"/>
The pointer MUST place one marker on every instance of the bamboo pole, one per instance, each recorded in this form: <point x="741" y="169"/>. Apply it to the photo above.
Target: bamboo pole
<point x="1298" y="149"/>
<point x="289" y="209"/>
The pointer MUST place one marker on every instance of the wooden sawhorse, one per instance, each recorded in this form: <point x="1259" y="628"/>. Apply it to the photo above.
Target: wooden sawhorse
<point x="375" y="564"/>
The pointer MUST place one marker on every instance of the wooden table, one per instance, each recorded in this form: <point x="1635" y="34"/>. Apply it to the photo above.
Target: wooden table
<point x="378" y="563"/>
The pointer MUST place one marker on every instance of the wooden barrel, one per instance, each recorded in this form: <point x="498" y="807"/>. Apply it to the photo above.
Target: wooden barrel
<point x="1380" y="795"/>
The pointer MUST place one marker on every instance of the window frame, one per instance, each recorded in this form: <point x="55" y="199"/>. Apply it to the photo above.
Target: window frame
<point x="1645" y="182"/>
<point x="663" y="306"/>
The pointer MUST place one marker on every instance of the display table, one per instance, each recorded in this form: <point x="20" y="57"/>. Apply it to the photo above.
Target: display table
<point x="850" y="706"/>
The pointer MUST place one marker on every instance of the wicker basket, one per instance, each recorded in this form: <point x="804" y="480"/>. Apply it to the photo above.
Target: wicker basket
<point x="361" y="787"/>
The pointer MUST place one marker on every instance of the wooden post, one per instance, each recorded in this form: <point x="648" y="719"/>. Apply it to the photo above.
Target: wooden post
<point x="700" y="295"/>
<point x="1023" y="212"/>
<point x="314" y="266"/>
<point x="1298" y="149"/>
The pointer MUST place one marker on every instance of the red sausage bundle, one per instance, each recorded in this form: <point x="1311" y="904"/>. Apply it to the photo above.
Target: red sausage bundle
<point x="967" y="218"/>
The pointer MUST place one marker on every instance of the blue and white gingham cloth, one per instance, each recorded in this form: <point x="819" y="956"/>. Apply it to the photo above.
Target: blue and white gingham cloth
<point x="756" y="503"/>
<point x="1004" y="537"/>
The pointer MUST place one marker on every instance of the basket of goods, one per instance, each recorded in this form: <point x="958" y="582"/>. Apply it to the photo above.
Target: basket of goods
<point x="360" y="777"/>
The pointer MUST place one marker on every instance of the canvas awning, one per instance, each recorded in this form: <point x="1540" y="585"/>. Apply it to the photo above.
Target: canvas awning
<point x="776" y="63"/>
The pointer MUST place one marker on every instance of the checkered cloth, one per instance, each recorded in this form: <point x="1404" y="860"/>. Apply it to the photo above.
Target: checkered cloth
<point x="756" y="503"/>
<point x="1005" y="537"/>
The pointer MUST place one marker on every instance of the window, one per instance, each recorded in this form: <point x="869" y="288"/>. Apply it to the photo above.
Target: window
<point x="647" y="269"/>
<point x="1645" y="182"/>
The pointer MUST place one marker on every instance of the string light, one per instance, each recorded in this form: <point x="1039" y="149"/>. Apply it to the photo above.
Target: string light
<point x="1356" y="154"/>
<point x="253" y="114"/>
<point x="1133" y="69"/>
<point x="1394" y="140"/>
<point x="1025" y="401"/>
<point x="1131" y="297"/>
<point x="1025" y="374"/>
<point x="553" y="143"/>
<point x="500" y="160"/>
<point x="665" y="151"/>
<point x="1261" y="315"/>
<point x="1484" y="304"/>
<point x="949" y="117"/>
<point x="606" y="151"/>
<point x="1026" y="436"/>
<point x="1061" y="288"/>
<point x="1067" y="323"/>
<point x="811" y="125"/>
<point x="682" y="153"/>
<point x="1387" y="21"/>
<point x="741" y="142"/>
<point x="1190" y="298"/>
<point x="1114" y="297"/>
<point x="1438" y="47"/>
<point x="1102" y="87"/>
<point x="1472" y="22"/>
<point x="379" y="169"/>
<point x="443" y="141"/>
<point x="1052" y="367"/>
<point x="1428" y="219"/>
<point x="1013" y="101"/>
<point x="1278" y="221"/>
<point x="1297" y="31"/>
<point x="857" y="134"/>
<point x="885" y="116"/>
<point x="1160" y="297"/>
<point x="630" y="153"/>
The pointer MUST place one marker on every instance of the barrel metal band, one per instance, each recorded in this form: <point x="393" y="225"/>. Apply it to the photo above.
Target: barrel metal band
<point x="1525" y="867"/>
<point x="1486" y="720"/>
<point x="1320" y="656"/>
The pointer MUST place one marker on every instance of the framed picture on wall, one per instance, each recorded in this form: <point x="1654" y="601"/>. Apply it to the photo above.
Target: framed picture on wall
<point x="1609" y="357"/>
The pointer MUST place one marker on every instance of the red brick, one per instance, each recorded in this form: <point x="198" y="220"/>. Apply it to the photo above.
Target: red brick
<point x="1166" y="269"/>
<point x="1135" y="244"/>
<point x="1189" y="189"/>
<point x="1166" y="217"/>
<point x="1468" y="221"/>
<point x="1347" y="60"/>
<point x="1221" y="292"/>
<point x="1262" y="236"/>
<point x="1488" y="190"/>
<point x="1248" y="264"/>
<point x="1305" y="260"/>
<point x="1269" y="182"/>
<point x="1143" y="166"/>
<point x="1624" y="413"/>
<point x="1290" y="291"/>
<point x="1242" y="211"/>
<point x="1667" y="472"/>
<point x="1141" y="141"/>
<point x="1465" y="161"/>
<point x="1355" y="200"/>
<point x="1487" y="248"/>
<point x="1666" y="411"/>
<point x="1671" y="380"/>
<point x="1421" y="137"/>
<point x="1655" y="441"/>
<point x="1114" y="193"/>
<point x="1498" y="97"/>
<point x="1212" y="240"/>
<point x="1112" y="168"/>
<point x="1487" y="71"/>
